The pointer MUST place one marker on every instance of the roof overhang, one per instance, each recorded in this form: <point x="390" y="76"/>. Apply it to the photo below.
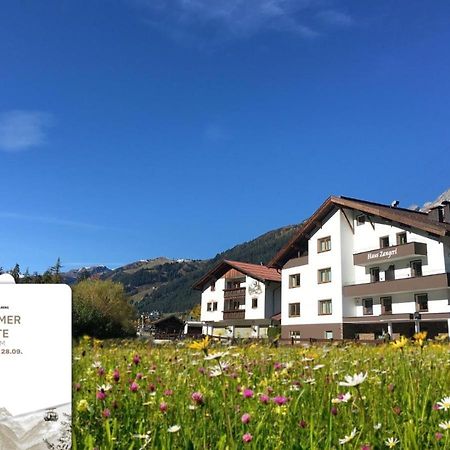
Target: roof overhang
<point x="406" y="217"/>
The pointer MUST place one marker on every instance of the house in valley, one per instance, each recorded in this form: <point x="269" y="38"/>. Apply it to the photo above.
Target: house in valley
<point x="357" y="269"/>
<point x="239" y="299"/>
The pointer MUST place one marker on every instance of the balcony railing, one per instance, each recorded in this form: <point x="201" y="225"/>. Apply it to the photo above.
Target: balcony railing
<point x="295" y="262"/>
<point x="412" y="284"/>
<point x="388" y="254"/>
<point x="234" y="314"/>
<point x="235" y="294"/>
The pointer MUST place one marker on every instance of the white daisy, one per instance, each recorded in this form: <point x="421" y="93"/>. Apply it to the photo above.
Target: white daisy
<point x="348" y="438"/>
<point x="174" y="429"/>
<point x="354" y="380"/>
<point x="444" y="403"/>
<point x="215" y="356"/>
<point x="445" y="425"/>
<point x="342" y="398"/>
<point x="391" y="442"/>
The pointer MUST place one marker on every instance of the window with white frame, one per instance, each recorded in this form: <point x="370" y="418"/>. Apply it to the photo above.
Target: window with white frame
<point x="294" y="309"/>
<point x="367" y="306"/>
<point x="324" y="244"/>
<point x="294" y="334"/>
<point x="325" y="307"/>
<point x="422" y="302"/>
<point x="324" y="275"/>
<point x="294" y="280"/>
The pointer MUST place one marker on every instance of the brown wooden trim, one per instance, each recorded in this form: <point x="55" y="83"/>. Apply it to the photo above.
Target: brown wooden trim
<point x="239" y="314"/>
<point x="382" y="288"/>
<point x="295" y="262"/>
<point x="404" y="317"/>
<point x="314" y="331"/>
<point x="392" y="253"/>
<point x="348" y="221"/>
<point x="402" y="216"/>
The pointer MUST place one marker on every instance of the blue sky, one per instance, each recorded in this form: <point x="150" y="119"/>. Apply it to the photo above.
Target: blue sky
<point x="131" y="129"/>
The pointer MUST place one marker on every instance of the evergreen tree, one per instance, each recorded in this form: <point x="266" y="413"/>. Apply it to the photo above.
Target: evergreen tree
<point x="15" y="272"/>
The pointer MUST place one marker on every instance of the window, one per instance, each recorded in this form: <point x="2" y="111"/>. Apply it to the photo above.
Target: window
<point x="361" y="219"/>
<point x="367" y="306"/>
<point x="324" y="275"/>
<point x="328" y="335"/>
<point x="416" y="268"/>
<point x="294" y="309"/>
<point x="386" y="305"/>
<point x="374" y="274"/>
<point x="422" y="302"/>
<point x="294" y="335"/>
<point x="254" y="303"/>
<point x="211" y="306"/>
<point x="232" y="305"/>
<point x="294" y="280"/>
<point x="213" y="286"/>
<point x="324" y="307"/>
<point x="233" y="284"/>
<point x="401" y="238"/>
<point x="384" y="241"/>
<point x="389" y="274"/>
<point x="214" y="306"/>
<point x="324" y="244"/>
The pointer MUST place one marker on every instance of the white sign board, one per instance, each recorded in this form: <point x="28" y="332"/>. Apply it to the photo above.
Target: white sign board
<point x="35" y="361"/>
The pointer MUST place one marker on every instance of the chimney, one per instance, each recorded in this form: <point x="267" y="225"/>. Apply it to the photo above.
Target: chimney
<point x="446" y="210"/>
<point x="436" y="213"/>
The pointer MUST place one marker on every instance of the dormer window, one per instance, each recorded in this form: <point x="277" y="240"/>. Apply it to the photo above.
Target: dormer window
<point x="401" y="238"/>
<point x="361" y="219"/>
<point x="384" y="241"/>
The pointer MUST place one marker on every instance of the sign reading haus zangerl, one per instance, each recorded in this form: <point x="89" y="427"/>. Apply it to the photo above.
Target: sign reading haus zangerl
<point x="35" y="366"/>
<point x="382" y="254"/>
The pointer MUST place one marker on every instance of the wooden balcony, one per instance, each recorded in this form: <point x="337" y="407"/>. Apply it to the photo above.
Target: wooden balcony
<point x="295" y="262"/>
<point x="388" y="254"/>
<point x="234" y="294"/>
<point x="413" y="284"/>
<point x="234" y="314"/>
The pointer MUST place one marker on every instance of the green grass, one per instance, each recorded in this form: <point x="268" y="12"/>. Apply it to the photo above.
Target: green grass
<point x="395" y="400"/>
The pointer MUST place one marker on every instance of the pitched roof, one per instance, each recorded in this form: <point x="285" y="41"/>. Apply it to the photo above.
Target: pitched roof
<point x="415" y="219"/>
<point x="256" y="271"/>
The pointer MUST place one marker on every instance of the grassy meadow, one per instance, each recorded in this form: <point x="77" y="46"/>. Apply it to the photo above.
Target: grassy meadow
<point x="204" y="395"/>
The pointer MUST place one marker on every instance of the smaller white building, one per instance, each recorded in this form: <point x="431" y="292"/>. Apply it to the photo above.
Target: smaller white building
<point x="239" y="299"/>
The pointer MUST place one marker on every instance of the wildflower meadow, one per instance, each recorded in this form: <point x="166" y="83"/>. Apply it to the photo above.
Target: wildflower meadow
<point x="207" y="395"/>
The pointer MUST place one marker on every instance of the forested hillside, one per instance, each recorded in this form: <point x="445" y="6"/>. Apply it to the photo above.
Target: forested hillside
<point x="172" y="290"/>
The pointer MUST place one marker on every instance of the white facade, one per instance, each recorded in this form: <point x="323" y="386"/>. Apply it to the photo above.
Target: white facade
<point x="239" y="306"/>
<point x="348" y="317"/>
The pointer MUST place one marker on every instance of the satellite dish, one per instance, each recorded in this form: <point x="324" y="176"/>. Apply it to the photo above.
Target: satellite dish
<point x="395" y="203"/>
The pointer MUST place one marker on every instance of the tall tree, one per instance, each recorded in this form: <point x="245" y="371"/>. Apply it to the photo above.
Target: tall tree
<point x="15" y="272"/>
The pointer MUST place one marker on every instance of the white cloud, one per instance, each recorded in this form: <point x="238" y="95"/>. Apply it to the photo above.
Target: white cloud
<point x="222" y="20"/>
<point x="21" y="130"/>
<point x="335" y="18"/>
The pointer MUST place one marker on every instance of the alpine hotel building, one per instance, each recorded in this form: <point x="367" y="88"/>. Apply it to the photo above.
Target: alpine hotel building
<point x="357" y="269"/>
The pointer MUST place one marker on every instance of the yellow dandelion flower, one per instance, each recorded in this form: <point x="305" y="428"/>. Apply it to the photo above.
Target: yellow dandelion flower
<point x="421" y="336"/>
<point x="400" y="343"/>
<point x="201" y="345"/>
